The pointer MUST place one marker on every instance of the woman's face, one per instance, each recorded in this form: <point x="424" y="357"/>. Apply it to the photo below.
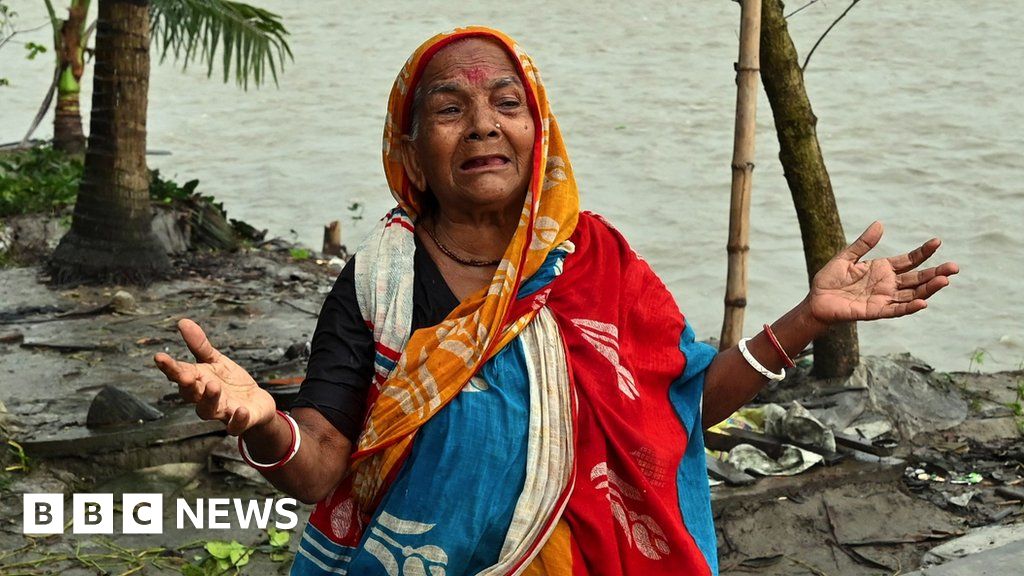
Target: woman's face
<point x="475" y="135"/>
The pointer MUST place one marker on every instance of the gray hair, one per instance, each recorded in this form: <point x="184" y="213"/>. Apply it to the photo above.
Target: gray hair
<point x="414" y="121"/>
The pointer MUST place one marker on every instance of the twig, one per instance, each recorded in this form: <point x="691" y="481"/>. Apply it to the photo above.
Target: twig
<point x="851" y="552"/>
<point x="43" y="108"/>
<point x="827" y="30"/>
<point x="299" y="308"/>
<point x="798" y="10"/>
<point x="812" y="568"/>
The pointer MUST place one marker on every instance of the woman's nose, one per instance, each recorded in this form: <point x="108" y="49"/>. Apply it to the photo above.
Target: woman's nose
<point x="483" y="126"/>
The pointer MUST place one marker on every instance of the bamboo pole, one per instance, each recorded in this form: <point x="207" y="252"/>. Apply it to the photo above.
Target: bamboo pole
<point x="742" y="172"/>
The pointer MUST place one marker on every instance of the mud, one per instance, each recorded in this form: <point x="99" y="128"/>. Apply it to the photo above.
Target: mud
<point x="866" y="515"/>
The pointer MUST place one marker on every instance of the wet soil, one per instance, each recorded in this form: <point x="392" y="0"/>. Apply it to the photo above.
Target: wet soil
<point x="866" y="515"/>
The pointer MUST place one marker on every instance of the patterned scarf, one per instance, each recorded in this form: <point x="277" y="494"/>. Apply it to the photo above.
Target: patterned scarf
<point x="628" y="493"/>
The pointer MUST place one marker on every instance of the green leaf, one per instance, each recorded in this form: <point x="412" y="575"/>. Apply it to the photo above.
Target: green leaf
<point x="250" y="39"/>
<point x="280" y="556"/>
<point x="219" y="549"/>
<point x="240" y="556"/>
<point x="278" y="538"/>
<point x="192" y="570"/>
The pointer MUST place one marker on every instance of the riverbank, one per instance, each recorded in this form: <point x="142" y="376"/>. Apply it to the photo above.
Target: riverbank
<point x="61" y="347"/>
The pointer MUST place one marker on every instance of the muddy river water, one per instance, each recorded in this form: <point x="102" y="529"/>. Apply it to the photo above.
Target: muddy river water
<point x="918" y="104"/>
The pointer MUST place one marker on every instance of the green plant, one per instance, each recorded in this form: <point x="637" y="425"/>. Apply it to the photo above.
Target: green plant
<point x="37" y="180"/>
<point x="228" y="557"/>
<point x="977" y="356"/>
<point x="21" y="459"/>
<point x="300" y="254"/>
<point x="278" y="543"/>
<point x="169" y="191"/>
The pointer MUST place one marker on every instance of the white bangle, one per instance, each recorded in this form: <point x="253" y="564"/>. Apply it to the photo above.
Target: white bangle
<point x="757" y="365"/>
<point x="292" y="450"/>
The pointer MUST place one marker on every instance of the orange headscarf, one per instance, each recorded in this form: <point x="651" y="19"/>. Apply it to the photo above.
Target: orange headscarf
<point x="437" y="362"/>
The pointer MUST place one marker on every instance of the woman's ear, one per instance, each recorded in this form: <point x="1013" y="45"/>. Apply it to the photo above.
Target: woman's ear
<point x="411" y="163"/>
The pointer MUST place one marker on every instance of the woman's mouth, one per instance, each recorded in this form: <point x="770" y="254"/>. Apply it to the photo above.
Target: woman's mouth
<point x="485" y="163"/>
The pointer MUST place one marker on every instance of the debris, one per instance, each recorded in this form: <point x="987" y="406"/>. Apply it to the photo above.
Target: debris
<point x="798" y="425"/>
<point x="728" y="473"/>
<point x="115" y="407"/>
<point x="12" y="338"/>
<point x="736" y="436"/>
<point x="299" y="308"/>
<point x="972" y="478"/>
<point x="962" y="500"/>
<point x="977" y="540"/>
<point x="1010" y="493"/>
<point x="882" y="448"/>
<point x="57" y="347"/>
<point x="792" y="461"/>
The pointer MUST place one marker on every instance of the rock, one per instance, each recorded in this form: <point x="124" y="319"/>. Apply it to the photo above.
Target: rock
<point x="335" y="265"/>
<point x="296" y="350"/>
<point x="973" y="542"/>
<point x="113" y="406"/>
<point x="123" y="302"/>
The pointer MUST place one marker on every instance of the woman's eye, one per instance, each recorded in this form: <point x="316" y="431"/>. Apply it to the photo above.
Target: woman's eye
<point x="509" y="104"/>
<point x="448" y="110"/>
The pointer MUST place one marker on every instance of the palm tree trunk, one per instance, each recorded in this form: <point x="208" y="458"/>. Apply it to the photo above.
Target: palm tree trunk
<point x="111" y="234"/>
<point x="70" y="49"/>
<point x="836" y="353"/>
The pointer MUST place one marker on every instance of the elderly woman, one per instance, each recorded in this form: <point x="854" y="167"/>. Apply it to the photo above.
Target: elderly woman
<point x="498" y="384"/>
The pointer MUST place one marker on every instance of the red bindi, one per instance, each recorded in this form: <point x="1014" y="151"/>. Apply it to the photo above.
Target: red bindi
<point x="475" y="75"/>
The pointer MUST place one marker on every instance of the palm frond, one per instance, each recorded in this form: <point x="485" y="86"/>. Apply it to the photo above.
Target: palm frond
<point x="251" y="40"/>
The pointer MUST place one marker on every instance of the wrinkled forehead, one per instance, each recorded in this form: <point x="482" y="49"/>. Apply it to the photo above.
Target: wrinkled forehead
<point x="472" y="58"/>
<point x="469" y="60"/>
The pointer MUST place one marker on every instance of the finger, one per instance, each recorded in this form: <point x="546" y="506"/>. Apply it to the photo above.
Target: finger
<point x="905" y="308"/>
<point x="909" y="261"/>
<point x="208" y="404"/>
<point x="916" y="277"/>
<point x="182" y="373"/>
<point x="239" y="421"/>
<point x="922" y="291"/>
<point x="863" y="244"/>
<point x="197" y="341"/>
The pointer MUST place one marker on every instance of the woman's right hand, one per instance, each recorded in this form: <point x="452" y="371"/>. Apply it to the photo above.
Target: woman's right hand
<point x="220" y="389"/>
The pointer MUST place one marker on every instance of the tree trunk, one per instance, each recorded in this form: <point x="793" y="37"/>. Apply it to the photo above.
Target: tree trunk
<point x="111" y="237"/>
<point x="836" y="353"/>
<point x="70" y="49"/>
<point x="738" y="245"/>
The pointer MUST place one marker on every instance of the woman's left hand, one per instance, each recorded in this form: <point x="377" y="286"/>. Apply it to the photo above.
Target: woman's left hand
<point x="847" y="289"/>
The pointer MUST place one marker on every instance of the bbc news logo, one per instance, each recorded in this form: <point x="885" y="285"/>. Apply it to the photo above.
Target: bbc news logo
<point x="144" y="513"/>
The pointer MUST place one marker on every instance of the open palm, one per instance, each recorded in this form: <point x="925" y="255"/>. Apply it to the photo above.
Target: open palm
<point x="220" y="388"/>
<point x="847" y="289"/>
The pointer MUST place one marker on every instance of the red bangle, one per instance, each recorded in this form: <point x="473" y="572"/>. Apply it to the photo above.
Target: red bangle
<point x="778" y="347"/>
<point x="293" y="447"/>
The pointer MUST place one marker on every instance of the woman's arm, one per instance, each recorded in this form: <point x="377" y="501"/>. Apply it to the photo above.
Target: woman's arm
<point x="731" y="382"/>
<point x="320" y="463"/>
<point x="222" y="390"/>
<point x="844" y="290"/>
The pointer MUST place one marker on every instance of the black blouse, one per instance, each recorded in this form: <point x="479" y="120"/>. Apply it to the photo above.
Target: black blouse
<point x="340" y="366"/>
